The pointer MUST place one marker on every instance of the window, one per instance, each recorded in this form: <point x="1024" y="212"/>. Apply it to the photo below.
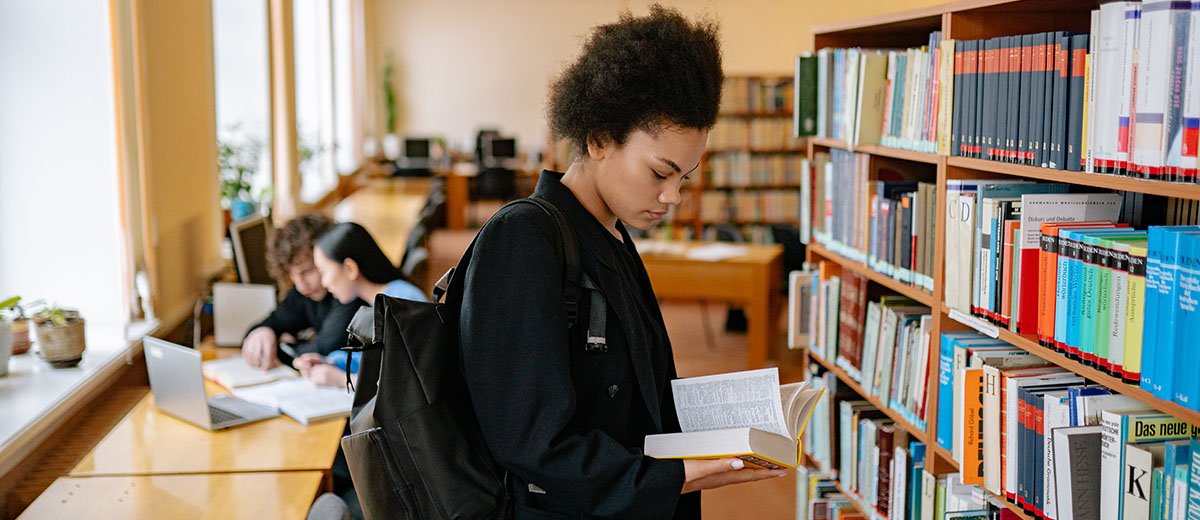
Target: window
<point x="323" y="33"/>
<point x="242" y="77"/>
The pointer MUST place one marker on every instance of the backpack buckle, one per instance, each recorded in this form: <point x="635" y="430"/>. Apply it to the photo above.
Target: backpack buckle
<point x="596" y="344"/>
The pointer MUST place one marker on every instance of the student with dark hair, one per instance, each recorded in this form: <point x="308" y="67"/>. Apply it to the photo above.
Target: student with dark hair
<point x="352" y="268"/>
<point x="307" y="305"/>
<point x="568" y="421"/>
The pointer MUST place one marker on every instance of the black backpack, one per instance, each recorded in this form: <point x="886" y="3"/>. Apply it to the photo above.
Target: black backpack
<point x="416" y="449"/>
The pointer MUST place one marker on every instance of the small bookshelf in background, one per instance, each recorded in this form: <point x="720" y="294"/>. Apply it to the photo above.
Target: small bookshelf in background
<point x="749" y="176"/>
<point x="1024" y="329"/>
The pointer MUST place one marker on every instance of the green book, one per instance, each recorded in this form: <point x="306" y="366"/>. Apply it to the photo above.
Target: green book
<point x="804" y="117"/>
<point x="1156" y="492"/>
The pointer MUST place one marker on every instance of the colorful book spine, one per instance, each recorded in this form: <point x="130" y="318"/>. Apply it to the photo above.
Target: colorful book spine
<point x="1135" y="315"/>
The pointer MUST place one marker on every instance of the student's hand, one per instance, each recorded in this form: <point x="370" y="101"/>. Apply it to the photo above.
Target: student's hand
<point x="710" y="474"/>
<point x="259" y="348"/>
<point x="325" y="375"/>
<point x="307" y="360"/>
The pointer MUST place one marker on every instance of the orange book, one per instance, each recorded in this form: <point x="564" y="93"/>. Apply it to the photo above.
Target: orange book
<point x="1048" y="275"/>
<point x="972" y="452"/>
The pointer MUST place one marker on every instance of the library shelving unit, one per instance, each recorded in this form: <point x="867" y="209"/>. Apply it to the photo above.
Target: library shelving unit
<point x="966" y="20"/>
<point x="690" y="214"/>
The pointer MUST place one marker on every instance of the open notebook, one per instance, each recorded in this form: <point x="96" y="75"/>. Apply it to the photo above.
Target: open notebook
<point x="234" y="372"/>
<point x="300" y="399"/>
<point x="747" y="415"/>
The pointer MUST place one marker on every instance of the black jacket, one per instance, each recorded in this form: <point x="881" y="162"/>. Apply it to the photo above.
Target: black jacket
<point x="298" y="312"/>
<point x="562" y="420"/>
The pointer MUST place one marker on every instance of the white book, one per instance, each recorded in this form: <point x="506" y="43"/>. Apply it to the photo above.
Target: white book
<point x="1056" y="414"/>
<point x="799" y="308"/>
<point x="1104" y="123"/>
<point x="1191" y="95"/>
<point x="1151" y="94"/>
<point x="1180" y="16"/>
<point x="850" y="94"/>
<point x="1117" y="309"/>
<point x="870" y="342"/>
<point x="1140" y="461"/>
<point x="1089" y="102"/>
<point x="960" y="218"/>
<point x="741" y="414"/>
<point x="300" y="399"/>
<point x="1131" y="23"/>
<point x="928" y="495"/>
<point x="806" y="209"/>
<point x="899" y="482"/>
<point x="824" y="82"/>
<point x="234" y="372"/>
<point x="1089" y="407"/>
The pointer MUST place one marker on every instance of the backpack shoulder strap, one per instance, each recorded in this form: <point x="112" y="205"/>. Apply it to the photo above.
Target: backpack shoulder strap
<point x="569" y="247"/>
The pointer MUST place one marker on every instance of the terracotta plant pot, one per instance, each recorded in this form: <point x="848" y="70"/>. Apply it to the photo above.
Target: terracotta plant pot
<point x="61" y="345"/>
<point x="20" y="336"/>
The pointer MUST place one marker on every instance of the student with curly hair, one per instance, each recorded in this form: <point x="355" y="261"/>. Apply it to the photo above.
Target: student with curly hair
<point x="307" y="305"/>
<point x="568" y="422"/>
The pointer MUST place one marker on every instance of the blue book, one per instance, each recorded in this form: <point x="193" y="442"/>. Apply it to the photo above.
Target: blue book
<point x="916" y="452"/>
<point x="1193" y="499"/>
<point x="1165" y="339"/>
<point x="1154" y="239"/>
<point x="1071" y="310"/>
<point x="1186" y="319"/>
<point x="945" y="411"/>
<point x="1076" y="392"/>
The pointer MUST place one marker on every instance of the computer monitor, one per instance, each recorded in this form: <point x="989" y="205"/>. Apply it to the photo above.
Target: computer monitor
<point x="417" y="157"/>
<point x="249" y="237"/>
<point x="498" y="150"/>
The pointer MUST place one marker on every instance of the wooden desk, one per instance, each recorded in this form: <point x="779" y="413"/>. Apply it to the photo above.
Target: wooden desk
<point x="753" y="280"/>
<point x="388" y="209"/>
<point x="257" y="496"/>
<point x="148" y="442"/>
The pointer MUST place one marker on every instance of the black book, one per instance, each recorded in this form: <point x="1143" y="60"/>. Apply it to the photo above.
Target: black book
<point x="906" y="212"/>
<point x="1074" y="145"/>
<point x="1000" y="118"/>
<point x="971" y="93"/>
<point x="1037" y="103"/>
<point x="1014" y="99"/>
<point x="1062" y="84"/>
<point x="956" y="124"/>
<point x="987" y="124"/>
<point x="1007" y="210"/>
<point x="1057" y="47"/>
<point x="1022" y="146"/>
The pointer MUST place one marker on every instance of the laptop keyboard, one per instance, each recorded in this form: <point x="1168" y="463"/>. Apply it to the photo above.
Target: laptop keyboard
<point x="219" y="416"/>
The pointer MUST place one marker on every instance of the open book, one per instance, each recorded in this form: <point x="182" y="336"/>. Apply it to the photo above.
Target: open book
<point x="234" y="372"/>
<point x="747" y="415"/>
<point x="300" y="399"/>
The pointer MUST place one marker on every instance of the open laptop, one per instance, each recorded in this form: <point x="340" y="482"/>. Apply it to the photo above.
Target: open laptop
<point x="237" y="306"/>
<point x="178" y="387"/>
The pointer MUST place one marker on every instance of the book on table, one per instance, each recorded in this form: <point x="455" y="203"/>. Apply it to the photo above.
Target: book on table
<point x="300" y="399"/>
<point x="234" y="372"/>
<point x="747" y="415"/>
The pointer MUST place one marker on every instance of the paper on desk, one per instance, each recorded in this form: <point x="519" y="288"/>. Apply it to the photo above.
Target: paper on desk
<point x="715" y="252"/>
<point x="748" y="399"/>
<point x="299" y="398"/>
<point x="234" y="372"/>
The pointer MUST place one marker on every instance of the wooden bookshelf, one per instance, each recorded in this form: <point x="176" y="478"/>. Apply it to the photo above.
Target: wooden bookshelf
<point x="1030" y="343"/>
<point x="881" y="151"/>
<point x="964" y="20"/>
<point x="916" y="293"/>
<point x="757" y="113"/>
<point x="912" y="429"/>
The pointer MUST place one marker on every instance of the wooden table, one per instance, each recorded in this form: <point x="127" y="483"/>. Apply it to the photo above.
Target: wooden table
<point x="148" y="442"/>
<point x="388" y="208"/>
<point x="257" y="496"/>
<point x="754" y="280"/>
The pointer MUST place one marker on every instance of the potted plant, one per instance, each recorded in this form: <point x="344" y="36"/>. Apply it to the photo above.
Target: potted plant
<point x="6" y="336"/>
<point x="18" y="323"/>
<point x="60" y="336"/>
<point x="238" y="160"/>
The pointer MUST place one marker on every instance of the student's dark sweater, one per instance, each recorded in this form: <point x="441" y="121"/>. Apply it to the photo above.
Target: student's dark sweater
<point x="297" y="313"/>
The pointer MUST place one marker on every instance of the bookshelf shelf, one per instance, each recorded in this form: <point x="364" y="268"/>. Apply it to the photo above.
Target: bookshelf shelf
<point x="763" y="113"/>
<point x="1114" y="182"/>
<point x="1029" y="343"/>
<point x="753" y="187"/>
<point x="881" y="151"/>
<point x="917" y="294"/>
<point x="912" y="429"/>
<point x="760" y="151"/>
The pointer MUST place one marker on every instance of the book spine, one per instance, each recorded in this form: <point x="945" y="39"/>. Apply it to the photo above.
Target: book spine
<point x="945" y="414"/>
<point x="1129" y="80"/>
<point x="1089" y="289"/>
<point x="991" y="430"/>
<point x="1037" y="106"/>
<point x="1114" y="340"/>
<point x="1058" y="132"/>
<point x="1135" y="313"/>
<point x="1111" y="445"/>
<point x="1020" y="152"/>
<point x="1187" y="311"/>
<point x="1067" y="248"/>
<point x="1037" y="450"/>
<point x="972" y="450"/>
<point x="1150" y="325"/>
<point x="1193" y="500"/>
<point x="1074" y="133"/>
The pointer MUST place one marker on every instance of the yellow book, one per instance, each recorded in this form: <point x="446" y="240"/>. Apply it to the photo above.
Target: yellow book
<point x="746" y="414"/>
<point x="945" y="97"/>
<point x="1135" y="312"/>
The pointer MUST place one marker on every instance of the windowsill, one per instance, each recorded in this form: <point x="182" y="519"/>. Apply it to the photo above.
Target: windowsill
<point x="35" y="396"/>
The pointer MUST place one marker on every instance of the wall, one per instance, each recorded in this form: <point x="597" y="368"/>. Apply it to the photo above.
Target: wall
<point x="60" y="231"/>
<point x="463" y="64"/>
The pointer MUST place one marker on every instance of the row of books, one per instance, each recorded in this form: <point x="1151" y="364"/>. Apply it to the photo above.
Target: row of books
<point x="750" y="206"/>
<point x="863" y="458"/>
<point x="888" y="97"/>
<point x="744" y="169"/>
<point x="741" y="95"/>
<point x="686" y="232"/>
<point x="887" y="223"/>
<point x="1049" y="441"/>
<point x="750" y="134"/>
<point x="1036" y="260"/>
<point x="882" y="342"/>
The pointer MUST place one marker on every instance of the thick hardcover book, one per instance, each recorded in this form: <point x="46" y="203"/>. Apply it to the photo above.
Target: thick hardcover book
<point x="851" y="317"/>
<point x="1058" y="117"/>
<point x="1000" y="117"/>
<point x="988" y="109"/>
<point x="1077" y="472"/>
<point x="1135" y="315"/>
<point x="805" y="122"/>
<point x="884" y="438"/>
<point x="1039" y="100"/>
<point x="1187" y="321"/>
<point x="1160" y="340"/>
<point x="971" y="107"/>
<point x="1075" y="99"/>
<point x="1049" y="289"/>
<point x="956" y="114"/>
<point x="1021" y="149"/>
